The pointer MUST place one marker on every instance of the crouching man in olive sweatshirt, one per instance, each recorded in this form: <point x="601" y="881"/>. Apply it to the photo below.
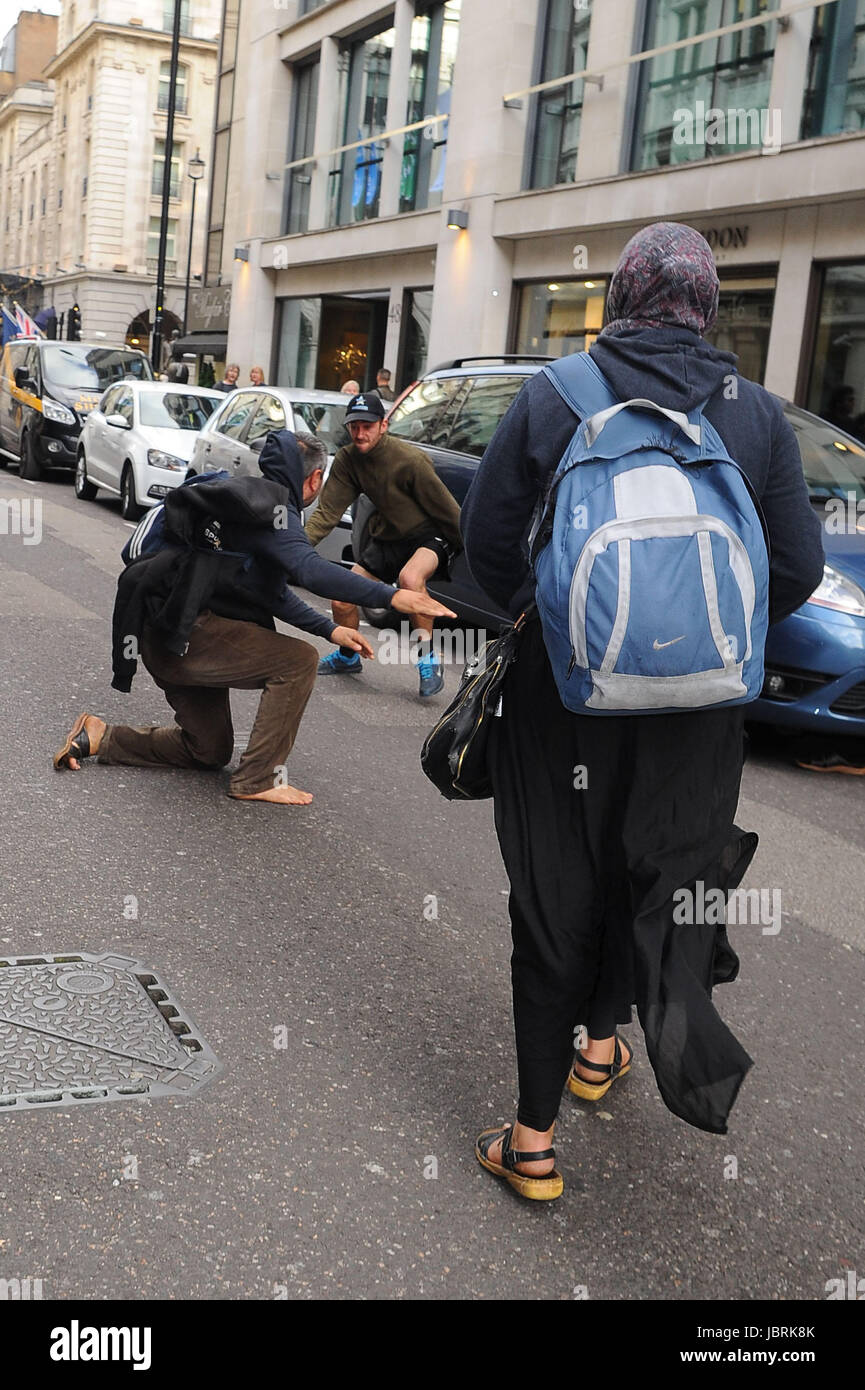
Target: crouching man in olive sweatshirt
<point x="413" y="533"/>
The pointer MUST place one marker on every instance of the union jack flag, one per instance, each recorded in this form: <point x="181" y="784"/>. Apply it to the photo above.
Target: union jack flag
<point x="26" y="327"/>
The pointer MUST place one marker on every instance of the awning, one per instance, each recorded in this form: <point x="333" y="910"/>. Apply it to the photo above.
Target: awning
<point x="202" y="344"/>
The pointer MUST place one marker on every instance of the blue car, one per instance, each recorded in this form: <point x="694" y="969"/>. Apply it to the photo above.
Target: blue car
<point x="815" y="659"/>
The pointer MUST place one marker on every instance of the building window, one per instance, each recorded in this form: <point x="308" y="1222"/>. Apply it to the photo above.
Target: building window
<point x="299" y="330"/>
<point x="168" y="16"/>
<point x="43" y="206"/>
<point x="434" y="40"/>
<point x="558" y="112"/>
<point x="711" y="97"/>
<point x="84" y="187"/>
<point x="307" y="6"/>
<point x="325" y="342"/>
<point x="297" y="181"/>
<point x="224" y="107"/>
<point x="159" y="168"/>
<point x="170" y="246"/>
<point x="836" y="389"/>
<point x="213" y="270"/>
<point x="835" y="92"/>
<point x="364" y="79"/>
<point x="228" y="49"/>
<point x="165" y="87"/>
<point x="416" y="318"/>
<point x="745" y="309"/>
<point x="560" y="317"/>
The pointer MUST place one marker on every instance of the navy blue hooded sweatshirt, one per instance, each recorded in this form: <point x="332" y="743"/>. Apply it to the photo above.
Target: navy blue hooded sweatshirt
<point x="232" y="545"/>
<point x="677" y="369"/>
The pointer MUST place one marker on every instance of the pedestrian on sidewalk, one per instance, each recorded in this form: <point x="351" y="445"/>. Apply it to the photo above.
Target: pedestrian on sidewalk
<point x="595" y="858"/>
<point x="199" y="606"/>
<point x="229" y="379"/>
<point x="411" y="536"/>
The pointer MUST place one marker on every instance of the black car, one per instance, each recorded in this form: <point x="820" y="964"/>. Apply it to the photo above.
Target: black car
<point x="47" y="390"/>
<point x="452" y="414"/>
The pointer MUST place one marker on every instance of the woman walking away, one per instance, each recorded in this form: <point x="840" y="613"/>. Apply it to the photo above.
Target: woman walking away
<point x="602" y="820"/>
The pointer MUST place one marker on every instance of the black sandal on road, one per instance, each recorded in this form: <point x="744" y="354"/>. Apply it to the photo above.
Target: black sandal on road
<point x="77" y="743"/>
<point x="593" y="1090"/>
<point x="537" y="1189"/>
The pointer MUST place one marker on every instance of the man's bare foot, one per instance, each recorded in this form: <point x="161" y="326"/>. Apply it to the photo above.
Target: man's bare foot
<point x="527" y="1141"/>
<point x="283" y="796"/>
<point x="94" y="728"/>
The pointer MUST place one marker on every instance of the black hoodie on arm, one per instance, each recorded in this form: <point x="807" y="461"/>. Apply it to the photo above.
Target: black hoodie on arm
<point x="679" y="370"/>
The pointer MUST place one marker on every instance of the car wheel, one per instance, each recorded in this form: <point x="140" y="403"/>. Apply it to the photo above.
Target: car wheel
<point x="84" y="489"/>
<point x="129" y="508"/>
<point x="31" y="468"/>
<point x="383" y="617"/>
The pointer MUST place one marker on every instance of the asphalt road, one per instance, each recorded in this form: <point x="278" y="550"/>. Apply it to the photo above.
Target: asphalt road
<point x="341" y="1165"/>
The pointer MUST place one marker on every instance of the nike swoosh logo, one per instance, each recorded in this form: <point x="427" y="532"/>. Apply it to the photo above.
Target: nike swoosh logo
<point x="659" y="646"/>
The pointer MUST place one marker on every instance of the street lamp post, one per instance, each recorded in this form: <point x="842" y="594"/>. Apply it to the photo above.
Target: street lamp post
<point x="195" y="170"/>
<point x="156" y="342"/>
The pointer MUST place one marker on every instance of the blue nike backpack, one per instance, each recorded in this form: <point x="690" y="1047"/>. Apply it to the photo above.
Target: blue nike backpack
<point x="650" y="558"/>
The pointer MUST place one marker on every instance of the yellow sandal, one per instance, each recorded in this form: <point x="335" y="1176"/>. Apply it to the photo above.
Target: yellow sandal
<point x="593" y="1090"/>
<point x="537" y="1189"/>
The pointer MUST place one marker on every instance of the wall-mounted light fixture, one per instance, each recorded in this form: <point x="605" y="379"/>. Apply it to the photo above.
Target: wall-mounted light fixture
<point x="241" y="253"/>
<point x="457" y="220"/>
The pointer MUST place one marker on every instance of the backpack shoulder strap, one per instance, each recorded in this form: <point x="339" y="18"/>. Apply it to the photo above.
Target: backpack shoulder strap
<point x="581" y="385"/>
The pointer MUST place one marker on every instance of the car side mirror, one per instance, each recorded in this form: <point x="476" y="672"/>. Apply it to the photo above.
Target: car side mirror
<point x="23" y="381"/>
<point x="119" y="422"/>
<point x="258" y="444"/>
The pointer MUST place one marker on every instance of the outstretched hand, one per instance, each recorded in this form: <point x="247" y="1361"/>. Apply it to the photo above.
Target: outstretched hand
<point x="350" y="637"/>
<point x="410" y="601"/>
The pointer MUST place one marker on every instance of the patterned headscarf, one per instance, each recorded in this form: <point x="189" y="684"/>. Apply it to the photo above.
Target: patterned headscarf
<point x="666" y="277"/>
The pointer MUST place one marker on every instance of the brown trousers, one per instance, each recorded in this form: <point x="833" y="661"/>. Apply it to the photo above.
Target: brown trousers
<point x="223" y="655"/>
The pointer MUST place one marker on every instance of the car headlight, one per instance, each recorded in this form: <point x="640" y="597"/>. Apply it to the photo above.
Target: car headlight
<point x="157" y="458"/>
<point x="60" y="414"/>
<point x="838" y="592"/>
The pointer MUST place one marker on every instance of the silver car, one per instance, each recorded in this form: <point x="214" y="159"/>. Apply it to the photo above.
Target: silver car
<point x="234" y="435"/>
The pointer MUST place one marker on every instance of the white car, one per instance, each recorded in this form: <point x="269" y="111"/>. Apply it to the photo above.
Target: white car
<point x="234" y="435"/>
<point x="138" y="441"/>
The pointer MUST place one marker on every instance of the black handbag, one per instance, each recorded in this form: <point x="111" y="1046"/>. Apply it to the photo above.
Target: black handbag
<point x="454" y="754"/>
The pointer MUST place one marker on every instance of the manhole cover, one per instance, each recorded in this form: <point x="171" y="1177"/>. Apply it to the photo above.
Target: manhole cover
<point x="81" y="1028"/>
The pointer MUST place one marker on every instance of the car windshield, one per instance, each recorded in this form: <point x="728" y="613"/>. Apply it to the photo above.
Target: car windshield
<point x="420" y="414"/>
<point x="83" y="368"/>
<point x="174" y="410"/>
<point x="325" y="421"/>
<point x="834" y="462"/>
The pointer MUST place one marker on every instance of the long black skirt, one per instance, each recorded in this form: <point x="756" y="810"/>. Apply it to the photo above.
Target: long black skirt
<point x="600" y="820"/>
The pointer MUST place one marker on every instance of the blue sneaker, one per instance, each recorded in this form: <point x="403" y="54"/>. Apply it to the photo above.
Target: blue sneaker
<point x="338" y="665"/>
<point x="430" y="672"/>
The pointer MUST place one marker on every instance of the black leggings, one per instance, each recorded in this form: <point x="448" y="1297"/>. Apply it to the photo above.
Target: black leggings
<point x="595" y="815"/>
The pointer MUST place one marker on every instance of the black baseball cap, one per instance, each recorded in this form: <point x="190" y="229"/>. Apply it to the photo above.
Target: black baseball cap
<point x="365" y="407"/>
